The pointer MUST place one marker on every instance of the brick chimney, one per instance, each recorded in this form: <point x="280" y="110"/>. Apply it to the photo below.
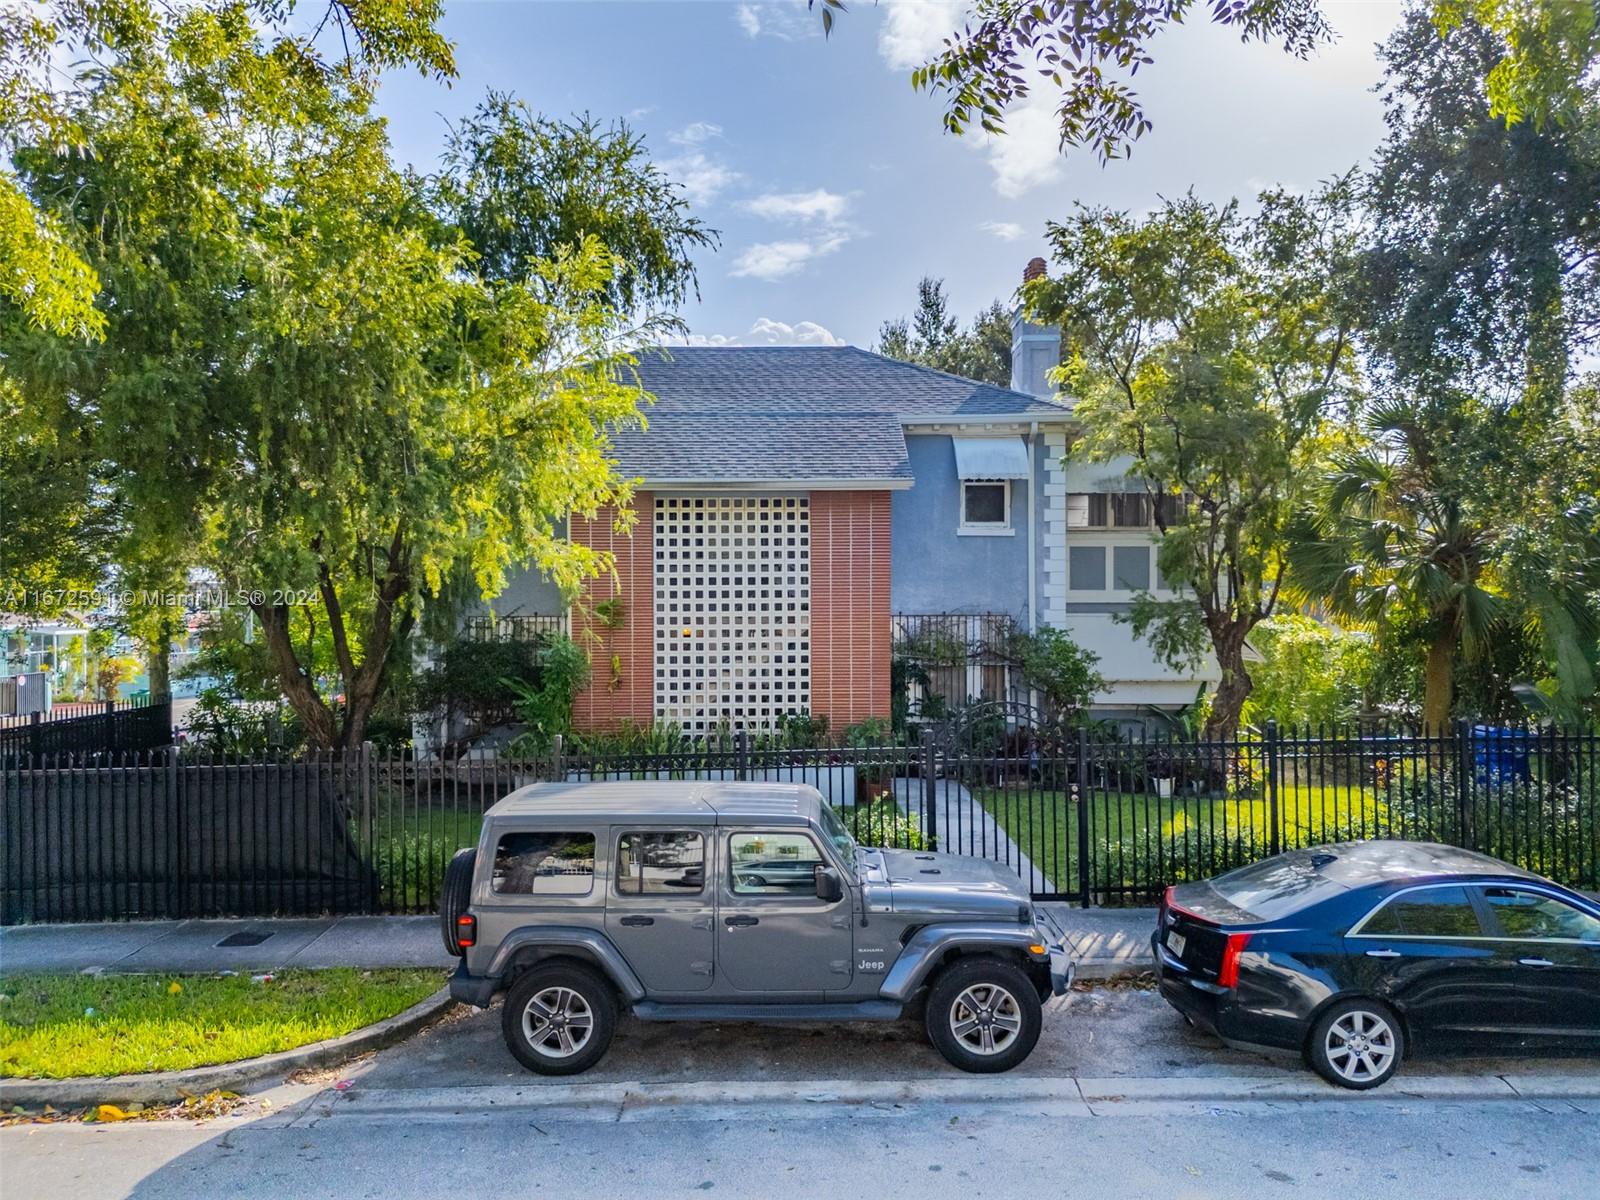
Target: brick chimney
<point x="1035" y="349"/>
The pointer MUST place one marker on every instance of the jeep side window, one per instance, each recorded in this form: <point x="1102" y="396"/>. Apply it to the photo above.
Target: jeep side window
<point x="774" y="864"/>
<point x="544" y="864"/>
<point x="671" y="863"/>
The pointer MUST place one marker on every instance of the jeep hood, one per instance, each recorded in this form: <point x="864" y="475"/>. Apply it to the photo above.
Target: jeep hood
<point x="920" y="881"/>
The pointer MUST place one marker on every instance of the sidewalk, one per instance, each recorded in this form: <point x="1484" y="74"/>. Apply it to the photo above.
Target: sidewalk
<point x="1110" y="941"/>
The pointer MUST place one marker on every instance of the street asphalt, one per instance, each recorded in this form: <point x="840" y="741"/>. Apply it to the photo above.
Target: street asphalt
<point x="1120" y="1097"/>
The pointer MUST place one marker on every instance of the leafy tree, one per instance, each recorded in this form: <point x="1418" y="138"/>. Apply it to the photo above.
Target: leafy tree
<point x="1465" y="520"/>
<point x="305" y="388"/>
<point x="40" y="272"/>
<point x="1310" y="673"/>
<point x="519" y="186"/>
<point x="1483" y="271"/>
<point x="1415" y="530"/>
<point x="1204" y="347"/>
<point x="1089" y="53"/>
<point x="934" y="338"/>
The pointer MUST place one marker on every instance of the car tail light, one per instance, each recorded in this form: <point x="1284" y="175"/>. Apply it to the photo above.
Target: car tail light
<point x="1172" y="906"/>
<point x="466" y="930"/>
<point x="1228" y="975"/>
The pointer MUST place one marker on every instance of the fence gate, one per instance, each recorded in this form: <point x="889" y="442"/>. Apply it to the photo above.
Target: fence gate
<point x="1009" y="783"/>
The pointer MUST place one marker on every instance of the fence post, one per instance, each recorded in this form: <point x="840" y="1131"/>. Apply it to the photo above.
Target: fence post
<point x="558" y="767"/>
<point x="1464" y="782"/>
<point x="177" y="832"/>
<point x="110" y="726"/>
<point x="36" y="735"/>
<point x="1274" y="823"/>
<point x="930" y="789"/>
<point x="367" y="847"/>
<point x="741" y="748"/>
<point x="1085" y="850"/>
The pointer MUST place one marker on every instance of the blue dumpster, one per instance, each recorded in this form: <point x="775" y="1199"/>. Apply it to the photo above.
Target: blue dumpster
<point x="1500" y="753"/>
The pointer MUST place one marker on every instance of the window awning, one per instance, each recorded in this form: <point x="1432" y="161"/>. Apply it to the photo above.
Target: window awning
<point x="991" y="458"/>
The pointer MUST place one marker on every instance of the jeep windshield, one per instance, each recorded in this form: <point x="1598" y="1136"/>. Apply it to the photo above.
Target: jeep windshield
<point x="834" y="830"/>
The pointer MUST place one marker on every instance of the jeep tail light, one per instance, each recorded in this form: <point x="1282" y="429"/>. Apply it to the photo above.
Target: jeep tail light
<point x="466" y="930"/>
<point x="1228" y="976"/>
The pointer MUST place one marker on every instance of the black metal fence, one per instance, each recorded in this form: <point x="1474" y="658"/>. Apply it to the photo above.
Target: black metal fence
<point x="171" y="834"/>
<point x="78" y="729"/>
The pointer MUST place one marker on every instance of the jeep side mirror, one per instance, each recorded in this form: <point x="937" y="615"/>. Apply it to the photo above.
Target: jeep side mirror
<point x="829" y="886"/>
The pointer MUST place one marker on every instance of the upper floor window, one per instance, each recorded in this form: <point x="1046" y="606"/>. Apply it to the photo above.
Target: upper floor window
<point x="985" y="507"/>
<point x="1121" y="510"/>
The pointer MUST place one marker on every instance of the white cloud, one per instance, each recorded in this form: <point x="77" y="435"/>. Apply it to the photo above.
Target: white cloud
<point x="696" y="133"/>
<point x="701" y="177"/>
<point x="774" y="260"/>
<point x="786" y="20"/>
<point x="913" y="31"/>
<point x="819" y="205"/>
<point x="767" y="332"/>
<point x="1006" y="231"/>
<point x="1028" y="154"/>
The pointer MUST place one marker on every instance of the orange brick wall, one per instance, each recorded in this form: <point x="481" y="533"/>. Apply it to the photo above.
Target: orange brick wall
<point x="849" y="606"/>
<point x="600" y="708"/>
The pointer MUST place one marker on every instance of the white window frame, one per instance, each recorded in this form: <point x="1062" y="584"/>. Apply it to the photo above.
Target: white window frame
<point x="1000" y="528"/>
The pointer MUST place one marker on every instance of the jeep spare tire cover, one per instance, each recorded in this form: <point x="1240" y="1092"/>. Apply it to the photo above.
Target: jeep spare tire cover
<point x="456" y="895"/>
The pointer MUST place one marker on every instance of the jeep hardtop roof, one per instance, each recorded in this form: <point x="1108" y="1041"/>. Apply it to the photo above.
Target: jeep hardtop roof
<point x="698" y="801"/>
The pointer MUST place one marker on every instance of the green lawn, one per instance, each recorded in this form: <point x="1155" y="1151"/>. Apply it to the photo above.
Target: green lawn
<point x="61" y="1026"/>
<point x="1142" y="838"/>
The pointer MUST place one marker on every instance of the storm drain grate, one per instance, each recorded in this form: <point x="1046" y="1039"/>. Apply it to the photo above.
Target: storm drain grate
<point x="246" y="938"/>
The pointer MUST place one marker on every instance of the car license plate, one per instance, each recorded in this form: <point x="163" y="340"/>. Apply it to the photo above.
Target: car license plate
<point x="1176" y="942"/>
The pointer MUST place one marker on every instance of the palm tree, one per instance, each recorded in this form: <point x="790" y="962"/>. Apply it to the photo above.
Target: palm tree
<point x="1399" y="526"/>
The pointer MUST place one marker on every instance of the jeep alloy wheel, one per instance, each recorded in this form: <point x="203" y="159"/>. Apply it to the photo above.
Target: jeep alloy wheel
<point x="559" y="1018"/>
<point x="983" y="1014"/>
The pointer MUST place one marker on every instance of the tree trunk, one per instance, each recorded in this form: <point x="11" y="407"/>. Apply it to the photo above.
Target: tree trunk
<point x="158" y="665"/>
<point x="321" y="727"/>
<point x="1437" y="683"/>
<point x="1236" y="685"/>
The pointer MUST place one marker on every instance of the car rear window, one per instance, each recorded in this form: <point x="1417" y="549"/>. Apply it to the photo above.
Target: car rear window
<point x="544" y="864"/>
<point x="1275" y="887"/>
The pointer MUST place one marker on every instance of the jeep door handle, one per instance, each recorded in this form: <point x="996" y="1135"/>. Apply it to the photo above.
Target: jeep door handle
<point x="742" y="921"/>
<point x="1383" y="954"/>
<point x="1536" y="962"/>
<point x="638" y="921"/>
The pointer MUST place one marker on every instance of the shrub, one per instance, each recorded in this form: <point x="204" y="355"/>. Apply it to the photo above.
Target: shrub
<point x="546" y="706"/>
<point x="1062" y="671"/>
<point x="884" y="823"/>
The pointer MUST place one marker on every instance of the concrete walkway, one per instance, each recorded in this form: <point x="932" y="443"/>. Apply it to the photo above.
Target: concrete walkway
<point x="1111" y="942"/>
<point x="965" y="827"/>
<point x="197" y="946"/>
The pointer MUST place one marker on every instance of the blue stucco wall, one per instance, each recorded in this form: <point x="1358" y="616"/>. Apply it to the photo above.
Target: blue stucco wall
<point x="936" y="570"/>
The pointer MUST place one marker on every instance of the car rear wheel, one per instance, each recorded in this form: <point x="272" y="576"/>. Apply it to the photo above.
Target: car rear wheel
<point x="455" y="896"/>
<point x="1356" y="1044"/>
<point x="559" y="1019"/>
<point x="983" y="1014"/>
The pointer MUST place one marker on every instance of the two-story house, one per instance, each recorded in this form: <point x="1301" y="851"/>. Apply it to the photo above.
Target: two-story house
<point x="793" y="503"/>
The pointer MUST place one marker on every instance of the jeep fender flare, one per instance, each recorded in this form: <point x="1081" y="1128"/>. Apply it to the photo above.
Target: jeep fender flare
<point x="929" y="944"/>
<point x="587" y="944"/>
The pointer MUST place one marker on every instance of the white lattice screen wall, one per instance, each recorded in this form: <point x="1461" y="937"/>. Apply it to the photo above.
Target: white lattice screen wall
<point x="733" y="609"/>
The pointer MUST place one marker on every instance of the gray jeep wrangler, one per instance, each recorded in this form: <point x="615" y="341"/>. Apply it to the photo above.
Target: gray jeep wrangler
<point x="692" y="901"/>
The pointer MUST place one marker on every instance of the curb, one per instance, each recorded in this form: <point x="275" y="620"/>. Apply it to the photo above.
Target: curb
<point x="168" y="1087"/>
<point x="1086" y="1096"/>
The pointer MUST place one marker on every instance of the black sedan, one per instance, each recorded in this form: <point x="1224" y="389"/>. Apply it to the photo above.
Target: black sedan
<point x="1354" y="954"/>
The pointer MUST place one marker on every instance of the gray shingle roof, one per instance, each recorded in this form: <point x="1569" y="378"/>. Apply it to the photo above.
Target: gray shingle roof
<point x="773" y="413"/>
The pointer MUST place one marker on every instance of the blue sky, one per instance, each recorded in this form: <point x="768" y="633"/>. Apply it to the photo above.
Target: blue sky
<point x="832" y="182"/>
